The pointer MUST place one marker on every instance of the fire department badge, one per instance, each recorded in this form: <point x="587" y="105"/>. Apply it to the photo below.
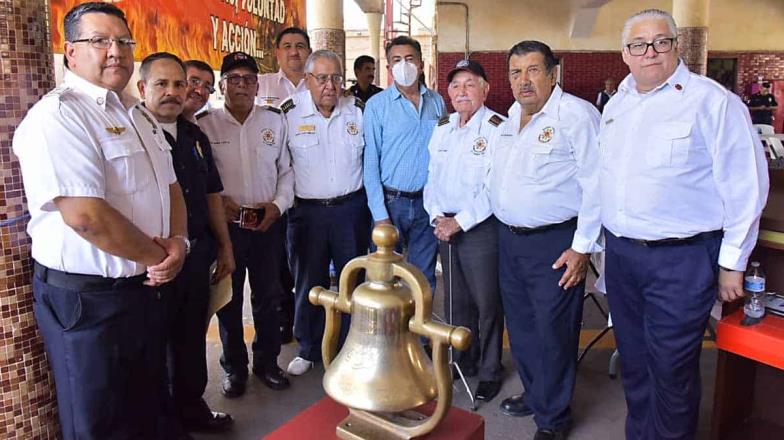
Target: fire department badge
<point x="546" y="135"/>
<point x="480" y="145"/>
<point x="351" y="128"/>
<point x="268" y="136"/>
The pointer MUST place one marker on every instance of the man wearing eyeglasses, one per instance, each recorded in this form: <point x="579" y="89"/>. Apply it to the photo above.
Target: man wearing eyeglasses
<point x="330" y="219"/>
<point x="249" y="145"/>
<point x="108" y="225"/>
<point x="683" y="182"/>
<point x="163" y="88"/>
<point x="200" y="85"/>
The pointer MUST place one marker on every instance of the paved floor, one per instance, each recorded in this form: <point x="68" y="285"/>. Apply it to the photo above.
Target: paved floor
<point x="598" y="403"/>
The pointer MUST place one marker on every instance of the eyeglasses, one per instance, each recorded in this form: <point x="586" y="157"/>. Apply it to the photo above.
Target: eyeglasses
<point x="251" y="79"/>
<point x="662" y="45"/>
<point x="197" y="82"/>
<point x="104" y="43"/>
<point x="322" y="79"/>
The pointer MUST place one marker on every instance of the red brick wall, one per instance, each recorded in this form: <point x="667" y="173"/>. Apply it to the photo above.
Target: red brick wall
<point x="751" y="65"/>
<point x="584" y="72"/>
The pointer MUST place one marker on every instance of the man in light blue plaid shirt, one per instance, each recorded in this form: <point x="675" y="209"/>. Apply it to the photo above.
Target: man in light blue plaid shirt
<point x="398" y="125"/>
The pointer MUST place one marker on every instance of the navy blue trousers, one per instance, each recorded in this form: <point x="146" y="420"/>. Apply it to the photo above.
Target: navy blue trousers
<point x="318" y="234"/>
<point x="187" y="305"/>
<point x="542" y="318"/>
<point x="107" y="353"/>
<point x="261" y="255"/>
<point x="660" y="299"/>
<point x="416" y="235"/>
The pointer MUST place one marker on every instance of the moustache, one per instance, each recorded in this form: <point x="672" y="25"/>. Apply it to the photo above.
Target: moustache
<point x="177" y="101"/>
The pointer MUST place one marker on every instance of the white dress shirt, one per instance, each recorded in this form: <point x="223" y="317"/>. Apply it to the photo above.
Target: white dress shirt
<point x="680" y="160"/>
<point x="326" y="153"/>
<point x="459" y="164"/>
<point x="252" y="157"/>
<point x="82" y="140"/>
<point x="547" y="173"/>
<point x="274" y="88"/>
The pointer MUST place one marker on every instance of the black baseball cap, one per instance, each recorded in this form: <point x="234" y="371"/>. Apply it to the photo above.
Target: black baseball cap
<point x="238" y="59"/>
<point x="467" y="66"/>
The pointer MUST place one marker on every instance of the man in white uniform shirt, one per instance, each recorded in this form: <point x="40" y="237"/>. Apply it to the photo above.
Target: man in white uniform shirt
<point x="683" y="183"/>
<point x="330" y="220"/>
<point x="102" y="195"/>
<point x="543" y="184"/>
<point x="249" y="147"/>
<point x="292" y="47"/>
<point x="457" y="202"/>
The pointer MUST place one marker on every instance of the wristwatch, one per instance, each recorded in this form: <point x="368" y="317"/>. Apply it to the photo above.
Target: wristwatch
<point x="187" y="243"/>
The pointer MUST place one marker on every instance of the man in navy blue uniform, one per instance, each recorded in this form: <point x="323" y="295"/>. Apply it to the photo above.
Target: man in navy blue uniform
<point x="164" y="89"/>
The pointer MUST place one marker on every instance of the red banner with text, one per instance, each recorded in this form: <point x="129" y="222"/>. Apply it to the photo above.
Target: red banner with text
<point x="200" y="29"/>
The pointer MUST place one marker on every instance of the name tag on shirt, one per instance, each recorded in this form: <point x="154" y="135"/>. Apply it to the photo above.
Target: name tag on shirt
<point x="306" y="129"/>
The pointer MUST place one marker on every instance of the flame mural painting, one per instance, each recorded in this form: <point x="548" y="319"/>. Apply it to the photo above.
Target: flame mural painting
<point x="200" y="29"/>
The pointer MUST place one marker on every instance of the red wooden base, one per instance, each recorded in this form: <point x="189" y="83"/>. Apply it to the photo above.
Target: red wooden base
<point x="319" y="422"/>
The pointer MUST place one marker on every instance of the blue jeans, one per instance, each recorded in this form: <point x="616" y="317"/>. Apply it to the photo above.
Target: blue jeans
<point x="416" y="235"/>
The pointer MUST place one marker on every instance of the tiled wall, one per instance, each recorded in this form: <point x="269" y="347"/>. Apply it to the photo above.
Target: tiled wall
<point x="584" y="72"/>
<point x="27" y="400"/>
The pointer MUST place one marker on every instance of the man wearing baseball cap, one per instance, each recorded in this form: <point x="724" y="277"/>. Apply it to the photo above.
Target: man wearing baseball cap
<point x="249" y="146"/>
<point x="457" y="203"/>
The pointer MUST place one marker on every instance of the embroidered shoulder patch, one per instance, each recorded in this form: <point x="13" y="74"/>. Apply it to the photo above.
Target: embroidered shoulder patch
<point x="495" y="120"/>
<point x="287" y="106"/>
<point x="359" y="103"/>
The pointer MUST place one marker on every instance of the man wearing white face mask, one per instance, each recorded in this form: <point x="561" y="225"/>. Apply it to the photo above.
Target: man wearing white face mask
<point x="398" y="125"/>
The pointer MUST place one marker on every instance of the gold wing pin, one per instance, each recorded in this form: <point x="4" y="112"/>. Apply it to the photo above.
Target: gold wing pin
<point x="116" y="130"/>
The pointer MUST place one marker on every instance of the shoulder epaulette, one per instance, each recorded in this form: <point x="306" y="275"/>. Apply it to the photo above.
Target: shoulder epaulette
<point x="495" y="120"/>
<point x="443" y="121"/>
<point x="287" y="106"/>
<point x="58" y="91"/>
<point x="272" y="109"/>
<point x="359" y="103"/>
<point x="347" y="93"/>
<point x="202" y="114"/>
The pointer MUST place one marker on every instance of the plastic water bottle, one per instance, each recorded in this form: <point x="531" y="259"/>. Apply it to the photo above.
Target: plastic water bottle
<point x="754" y="285"/>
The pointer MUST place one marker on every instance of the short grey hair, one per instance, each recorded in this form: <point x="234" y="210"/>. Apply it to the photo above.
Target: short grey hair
<point x="648" y="14"/>
<point x="323" y="53"/>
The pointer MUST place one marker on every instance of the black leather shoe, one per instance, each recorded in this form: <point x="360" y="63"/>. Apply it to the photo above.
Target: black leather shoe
<point x="212" y="421"/>
<point x="549" y="434"/>
<point x="515" y="406"/>
<point x="233" y="386"/>
<point x="487" y="390"/>
<point x="273" y="377"/>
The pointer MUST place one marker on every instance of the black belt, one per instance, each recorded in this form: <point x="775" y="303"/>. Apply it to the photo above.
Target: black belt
<point x="330" y="202"/>
<point x="675" y="241"/>
<point x="520" y="230"/>
<point x="391" y="192"/>
<point x="75" y="281"/>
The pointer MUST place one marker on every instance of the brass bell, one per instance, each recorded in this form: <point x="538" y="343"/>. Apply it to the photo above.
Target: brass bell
<point x="382" y="372"/>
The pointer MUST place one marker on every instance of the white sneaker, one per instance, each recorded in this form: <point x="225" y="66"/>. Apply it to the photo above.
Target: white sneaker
<point x="299" y="366"/>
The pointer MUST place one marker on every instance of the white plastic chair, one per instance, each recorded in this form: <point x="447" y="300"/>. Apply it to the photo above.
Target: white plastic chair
<point x="764" y="129"/>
